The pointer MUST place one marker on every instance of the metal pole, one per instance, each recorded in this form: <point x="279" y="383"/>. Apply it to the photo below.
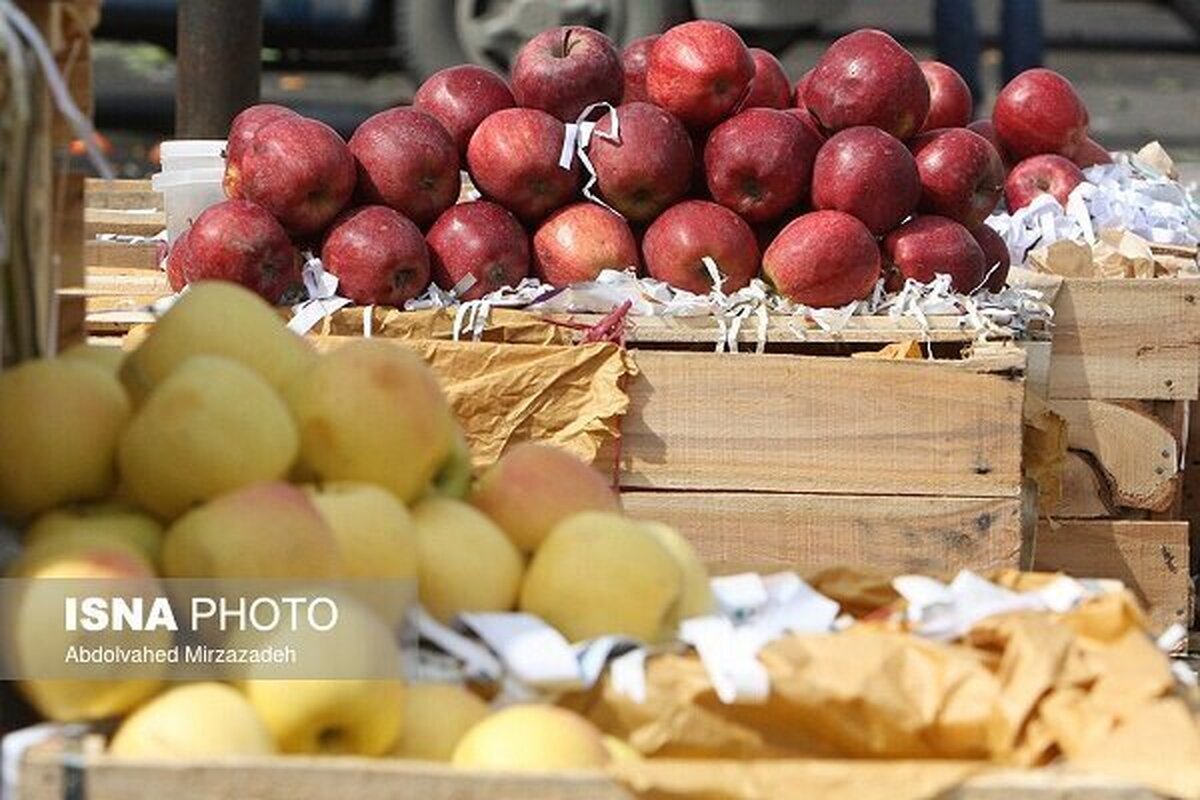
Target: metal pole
<point x="219" y="64"/>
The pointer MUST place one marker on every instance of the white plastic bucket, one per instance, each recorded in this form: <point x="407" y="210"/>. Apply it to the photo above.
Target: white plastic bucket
<point x="186" y="154"/>
<point x="186" y="193"/>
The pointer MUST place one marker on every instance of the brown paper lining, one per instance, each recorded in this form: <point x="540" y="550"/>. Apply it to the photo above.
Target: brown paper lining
<point x="1088" y="690"/>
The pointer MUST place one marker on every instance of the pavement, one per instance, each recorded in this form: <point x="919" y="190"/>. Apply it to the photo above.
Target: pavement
<point x="1136" y="64"/>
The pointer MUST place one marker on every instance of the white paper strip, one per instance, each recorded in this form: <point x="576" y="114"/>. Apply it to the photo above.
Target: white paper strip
<point x="533" y="653"/>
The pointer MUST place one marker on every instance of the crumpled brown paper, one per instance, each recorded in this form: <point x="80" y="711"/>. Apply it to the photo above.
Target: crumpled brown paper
<point x="1045" y="445"/>
<point x="1115" y="254"/>
<point x="1087" y="688"/>
<point x="503" y="325"/>
<point x="570" y="396"/>
<point x="896" y="351"/>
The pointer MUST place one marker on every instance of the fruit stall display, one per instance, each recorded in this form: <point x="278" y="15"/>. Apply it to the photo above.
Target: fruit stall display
<point x="756" y="220"/>
<point x="123" y="480"/>
<point x="214" y="442"/>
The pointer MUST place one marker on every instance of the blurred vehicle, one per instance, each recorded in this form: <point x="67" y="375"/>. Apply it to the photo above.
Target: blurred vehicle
<point x="427" y="35"/>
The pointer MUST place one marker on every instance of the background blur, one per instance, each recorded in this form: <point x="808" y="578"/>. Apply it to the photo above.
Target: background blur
<point x="1136" y="63"/>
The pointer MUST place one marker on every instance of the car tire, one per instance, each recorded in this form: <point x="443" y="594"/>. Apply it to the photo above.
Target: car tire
<point x="426" y="35"/>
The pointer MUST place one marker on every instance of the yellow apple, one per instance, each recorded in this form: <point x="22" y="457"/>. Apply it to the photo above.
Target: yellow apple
<point x="59" y="424"/>
<point x="196" y="720"/>
<point x="39" y="639"/>
<point x="531" y="738"/>
<point x="106" y="358"/>
<point x="268" y="530"/>
<point x="599" y="573"/>
<point x="436" y="715"/>
<point x="223" y="319"/>
<point x="695" y="600"/>
<point x="378" y="541"/>
<point x="210" y="427"/>
<point x="77" y="528"/>
<point x="466" y="562"/>
<point x="372" y="411"/>
<point x="357" y="710"/>
<point x="533" y="487"/>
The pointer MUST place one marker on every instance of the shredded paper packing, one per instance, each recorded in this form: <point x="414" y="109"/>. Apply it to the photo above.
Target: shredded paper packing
<point x="1129" y="195"/>
<point x="531" y="659"/>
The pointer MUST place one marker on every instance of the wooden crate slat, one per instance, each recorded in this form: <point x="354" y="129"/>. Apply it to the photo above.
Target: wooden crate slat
<point x="43" y="777"/>
<point x="1127" y="339"/>
<point x="806" y="424"/>
<point x="98" y="255"/>
<point x="120" y="195"/>
<point x="1150" y="557"/>
<point x="131" y="223"/>
<point x="734" y="531"/>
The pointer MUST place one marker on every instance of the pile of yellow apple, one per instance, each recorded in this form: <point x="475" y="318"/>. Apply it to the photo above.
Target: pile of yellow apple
<point x="225" y="446"/>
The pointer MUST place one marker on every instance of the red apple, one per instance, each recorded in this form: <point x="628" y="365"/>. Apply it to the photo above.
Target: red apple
<point x="462" y="97"/>
<point x="759" y="163"/>
<point x="480" y="239"/>
<point x="649" y="168"/>
<point x="1038" y="112"/>
<point x="868" y="174"/>
<point x="802" y="114"/>
<point x="407" y="161"/>
<point x="177" y="260"/>
<point x="868" y="78"/>
<point x="800" y="88"/>
<point x="298" y="169"/>
<point x="950" y="101"/>
<point x="513" y="158"/>
<point x="634" y="59"/>
<point x="927" y="246"/>
<point x="1045" y="173"/>
<point x="699" y="71"/>
<point x="962" y="176"/>
<point x="245" y="125"/>
<point x="996" y="258"/>
<point x="378" y="255"/>
<point x="575" y="243"/>
<point x="987" y="130"/>
<point x="562" y="71"/>
<point x="240" y="241"/>
<point x="823" y="259"/>
<point x="769" y="88"/>
<point x="1090" y="153"/>
<point x="676" y="243"/>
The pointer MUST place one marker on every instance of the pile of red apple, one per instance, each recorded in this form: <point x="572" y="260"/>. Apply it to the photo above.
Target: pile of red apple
<point x="869" y="167"/>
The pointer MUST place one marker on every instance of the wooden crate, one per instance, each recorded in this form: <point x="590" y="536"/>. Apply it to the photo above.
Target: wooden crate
<point x="46" y="775"/>
<point x="1124" y="371"/>
<point x="57" y="203"/>
<point x="801" y="456"/>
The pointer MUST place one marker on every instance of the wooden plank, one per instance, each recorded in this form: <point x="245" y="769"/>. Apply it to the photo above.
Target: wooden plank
<point x="793" y="330"/>
<point x="297" y="778"/>
<point x="1127" y="339"/>
<point x="120" y="255"/>
<point x="735" y="531"/>
<point x="1084" y="491"/>
<point x="1151" y="558"/>
<point x="1138" y="454"/>
<point x="43" y="777"/>
<point x="774" y="423"/>
<point x="121" y="194"/>
<point x="131" y="223"/>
